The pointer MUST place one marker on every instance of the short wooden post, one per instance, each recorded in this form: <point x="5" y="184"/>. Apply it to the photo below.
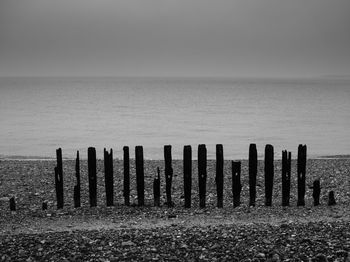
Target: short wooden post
<point x="269" y="173"/>
<point x="12" y="204"/>
<point x="140" y="175"/>
<point x="168" y="175"/>
<point x="59" y="179"/>
<point x="187" y="170"/>
<point x="109" y="181"/>
<point x="44" y="206"/>
<point x="331" y="199"/>
<point x="316" y="192"/>
<point x="92" y="176"/>
<point x="77" y="186"/>
<point x="253" y="171"/>
<point x="286" y="175"/>
<point x="236" y="183"/>
<point x="301" y="171"/>
<point x="126" y="183"/>
<point x="202" y="174"/>
<point x="156" y="189"/>
<point x="219" y="179"/>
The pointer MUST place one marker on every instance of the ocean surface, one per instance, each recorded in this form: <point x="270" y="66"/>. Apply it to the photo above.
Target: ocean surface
<point x="38" y="115"/>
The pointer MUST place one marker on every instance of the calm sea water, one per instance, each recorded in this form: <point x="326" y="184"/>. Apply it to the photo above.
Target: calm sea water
<point x="38" y="115"/>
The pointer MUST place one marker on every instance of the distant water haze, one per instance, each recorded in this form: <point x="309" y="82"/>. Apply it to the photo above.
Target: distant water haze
<point x="38" y="115"/>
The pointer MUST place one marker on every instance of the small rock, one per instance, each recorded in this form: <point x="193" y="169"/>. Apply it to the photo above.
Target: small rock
<point x="128" y="243"/>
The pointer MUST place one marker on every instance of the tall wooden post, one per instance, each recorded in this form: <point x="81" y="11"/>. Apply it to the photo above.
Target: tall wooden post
<point x="301" y="170"/>
<point x="269" y="173"/>
<point x="59" y="179"/>
<point x="202" y="174"/>
<point x="286" y="175"/>
<point x="12" y="204"/>
<point x="219" y="179"/>
<point x="109" y="181"/>
<point x="187" y="170"/>
<point x="92" y="176"/>
<point x="140" y="180"/>
<point x="236" y="183"/>
<point x="126" y="183"/>
<point x="253" y="171"/>
<point x="156" y="189"/>
<point x="331" y="198"/>
<point x="316" y="192"/>
<point x="77" y="186"/>
<point x="168" y="174"/>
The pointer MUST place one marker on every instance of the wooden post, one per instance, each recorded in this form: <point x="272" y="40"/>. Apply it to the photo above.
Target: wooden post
<point x="301" y="170"/>
<point x="126" y="184"/>
<point x="316" y="192"/>
<point x="168" y="174"/>
<point x="140" y="175"/>
<point x="202" y="174"/>
<point x="77" y="186"/>
<point x="331" y="199"/>
<point x="253" y="171"/>
<point x="109" y="182"/>
<point x="236" y="183"/>
<point x="44" y="206"/>
<point x="156" y="189"/>
<point x="92" y="176"/>
<point x="286" y="175"/>
<point x="187" y="169"/>
<point x="59" y="179"/>
<point x="219" y="179"/>
<point x="269" y="173"/>
<point x="12" y="204"/>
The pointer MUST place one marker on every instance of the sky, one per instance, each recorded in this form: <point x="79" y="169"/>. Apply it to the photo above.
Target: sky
<point x="231" y="38"/>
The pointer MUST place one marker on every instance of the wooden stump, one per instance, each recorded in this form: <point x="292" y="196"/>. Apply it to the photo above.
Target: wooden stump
<point x="44" y="206"/>
<point x="109" y="181"/>
<point x="253" y="171"/>
<point x="219" y="179"/>
<point x="77" y="186"/>
<point x="156" y="189"/>
<point x="126" y="183"/>
<point x="92" y="176"/>
<point x="236" y="183"/>
<point x="301" y="172"/>
<point x="187" y="170"/>
<point x="59" y="179"/>
<point x="140" y="180"/>
<point x="316" y="192"/>
<point x="168" y="175"/>
<point x="286" y="176"/>
<point x="202" y="174"/>
<point x="269" y="174"/>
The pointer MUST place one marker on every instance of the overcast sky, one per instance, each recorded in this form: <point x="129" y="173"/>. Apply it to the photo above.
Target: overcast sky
<point x="174" y="37"/>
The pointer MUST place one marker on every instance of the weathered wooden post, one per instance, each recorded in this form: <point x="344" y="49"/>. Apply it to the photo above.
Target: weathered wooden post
<point x="44" y="206"/>
<point x="126" y="183"/>
<point x="301" y="171"/>
<point x="269" y="173"/>
<point x="168" y="175"/>
<point x="140" y="182"/>
<point x="236" y="183"/>
<point x="331" y="199"/>
<point x="92" y="176"/>
<point x="77" y="186"/>
<point x="219" y="179"/>
<point x="286" y="175"/>
<point x="109" y="181"/>
<point x="253" y="171"/>
<point x="316" y="192"/>
<point x="187" y="169"/>
<point x="12" y="204"/>
<point x="59" y="179"/>
<point x="156" y="189"/>
<point x="202" y="174"/>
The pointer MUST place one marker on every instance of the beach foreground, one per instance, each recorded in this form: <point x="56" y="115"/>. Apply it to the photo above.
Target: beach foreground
<point x="123" y="233"/>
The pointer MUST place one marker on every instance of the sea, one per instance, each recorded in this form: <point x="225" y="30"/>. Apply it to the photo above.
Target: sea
<point x="40" y="114"/>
